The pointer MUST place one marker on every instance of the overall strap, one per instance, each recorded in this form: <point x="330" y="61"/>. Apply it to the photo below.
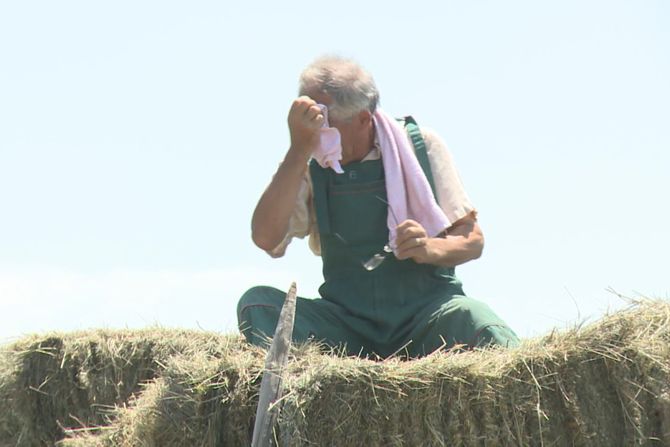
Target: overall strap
<point x="420" y="149"/>
<point x="320" y="190"/>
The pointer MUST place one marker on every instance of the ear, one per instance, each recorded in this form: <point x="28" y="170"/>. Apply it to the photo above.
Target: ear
<point x="364" y="118"/>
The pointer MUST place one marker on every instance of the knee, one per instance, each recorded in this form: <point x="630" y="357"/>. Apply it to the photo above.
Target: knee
<point x="257" y="313"/>
<point x="259" y="296"/>
<point x="458" y="305"/>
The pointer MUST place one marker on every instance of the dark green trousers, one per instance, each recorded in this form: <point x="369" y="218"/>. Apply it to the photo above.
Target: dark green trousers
<point x="457" y="321"/>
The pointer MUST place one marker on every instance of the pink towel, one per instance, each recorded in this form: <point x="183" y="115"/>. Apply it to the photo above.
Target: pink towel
<point x="329" y="153"/>
<point x="407" y="188"/>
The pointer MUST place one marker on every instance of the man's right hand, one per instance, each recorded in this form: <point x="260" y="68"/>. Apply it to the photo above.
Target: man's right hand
<point x="304" y="121"/>
<point x="270" y="221"/>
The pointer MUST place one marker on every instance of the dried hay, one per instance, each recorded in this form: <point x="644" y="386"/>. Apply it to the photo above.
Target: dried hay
<point x="55" y="381"/>
<point x="606" y="384"/>
<point x="198" y="400"/>
<point x="8" y="418"/>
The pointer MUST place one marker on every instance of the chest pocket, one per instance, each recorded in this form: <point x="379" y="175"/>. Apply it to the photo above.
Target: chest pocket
<point x="358" y="211"/>
<point x="356" y="202"/>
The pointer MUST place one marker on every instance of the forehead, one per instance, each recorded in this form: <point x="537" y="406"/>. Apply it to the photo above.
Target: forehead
<point x="320" y="96"/>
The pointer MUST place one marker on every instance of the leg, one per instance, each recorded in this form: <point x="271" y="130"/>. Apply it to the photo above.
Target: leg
<point x="315" y="319"/>
<point x="459" y="321"/>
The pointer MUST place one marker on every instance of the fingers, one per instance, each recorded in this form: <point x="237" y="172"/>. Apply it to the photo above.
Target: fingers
<point x="304" y="121"/>
<point x="419" y="252"/>
<point x="301" y="104"/>
<point x="313" y="114"/>
<point x="410" y="234"/>
<point x="411" y="241"/>
<point x="411" y="247"/>
<point x="305" y="111"/>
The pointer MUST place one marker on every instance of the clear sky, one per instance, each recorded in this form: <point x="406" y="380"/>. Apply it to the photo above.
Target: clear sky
<point x="136" y="137"/>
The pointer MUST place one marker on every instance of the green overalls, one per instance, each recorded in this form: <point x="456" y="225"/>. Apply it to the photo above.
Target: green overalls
<point x="400" y="307"/>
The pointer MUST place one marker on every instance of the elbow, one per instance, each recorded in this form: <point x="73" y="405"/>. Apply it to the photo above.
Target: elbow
<point x="267" y="238"/>
<point x="260" y="235"/>
<point x="478" y="250"/>
<point x="477" y="247"/>
<point x="263" y="241"/>
<point x="265" y="233"/>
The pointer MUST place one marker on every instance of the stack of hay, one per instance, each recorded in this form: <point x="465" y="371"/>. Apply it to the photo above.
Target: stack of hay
<point x="606" y="384"/>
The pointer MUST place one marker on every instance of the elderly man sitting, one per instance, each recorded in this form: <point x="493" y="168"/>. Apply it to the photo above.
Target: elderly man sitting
<point x="383" y="205"/>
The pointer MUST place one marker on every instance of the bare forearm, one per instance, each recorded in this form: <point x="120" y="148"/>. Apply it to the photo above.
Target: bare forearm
<point x="463" y="242"/>
<point x="270" y="220"/>
<point x="455" y="249"/>
<point x="269" y="223"/>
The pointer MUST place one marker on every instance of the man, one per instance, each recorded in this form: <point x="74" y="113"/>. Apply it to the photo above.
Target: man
<point x="372" y="302"/>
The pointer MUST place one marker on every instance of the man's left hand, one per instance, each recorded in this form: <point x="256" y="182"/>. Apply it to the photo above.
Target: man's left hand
<point x="413" y="243"/>
<point x="462" y="242"/>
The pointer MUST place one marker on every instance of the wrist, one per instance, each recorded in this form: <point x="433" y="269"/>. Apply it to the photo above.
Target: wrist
<point x="297" y="158"/>
<point x="304" y="145"/>
<point x="437" y="250"/>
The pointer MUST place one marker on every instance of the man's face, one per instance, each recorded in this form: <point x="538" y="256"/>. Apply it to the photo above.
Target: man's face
<point x="349" y="129"/>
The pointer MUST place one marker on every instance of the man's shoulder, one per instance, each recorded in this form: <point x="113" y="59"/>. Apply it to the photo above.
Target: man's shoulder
<point x="432" y="139"/>
<point x="429" y="135"/>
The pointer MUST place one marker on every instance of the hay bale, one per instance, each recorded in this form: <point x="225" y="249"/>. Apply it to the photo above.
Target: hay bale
<point x="58" y="381"/>
<point x="8" y="419"/>
<point x="599" y="386"/>
<point x="198" y="400"/>
<point x="607" y="384"/>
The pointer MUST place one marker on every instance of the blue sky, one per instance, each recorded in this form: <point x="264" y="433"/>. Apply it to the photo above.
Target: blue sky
<point x="136" y="137"/>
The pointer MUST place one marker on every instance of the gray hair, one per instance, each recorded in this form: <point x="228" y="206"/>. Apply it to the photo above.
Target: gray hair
<point x="347" y="83"/>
